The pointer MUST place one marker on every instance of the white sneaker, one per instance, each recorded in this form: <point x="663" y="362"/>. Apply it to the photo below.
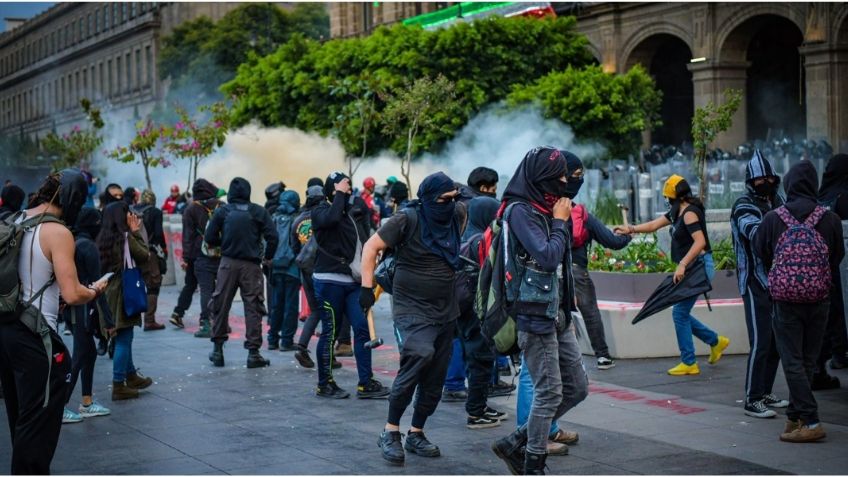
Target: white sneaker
<point x="94" y="410"/>
<point x="605" y="363"/>
<point x="773" y="401"/>
<point x="758" y="409"/>
<point x="70" y="417"/>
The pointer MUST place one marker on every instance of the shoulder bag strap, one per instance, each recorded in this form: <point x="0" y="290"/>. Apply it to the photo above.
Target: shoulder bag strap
<point x="128" y="260"/>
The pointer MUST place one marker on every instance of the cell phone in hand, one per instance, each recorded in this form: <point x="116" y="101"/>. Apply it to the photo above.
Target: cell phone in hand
<point x="106" y="277"/>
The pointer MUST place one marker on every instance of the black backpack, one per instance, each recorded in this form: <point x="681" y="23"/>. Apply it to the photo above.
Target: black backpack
<point x="384" y="275"/>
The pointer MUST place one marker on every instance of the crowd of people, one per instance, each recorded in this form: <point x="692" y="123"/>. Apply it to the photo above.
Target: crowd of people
<point x="474" y="281"/>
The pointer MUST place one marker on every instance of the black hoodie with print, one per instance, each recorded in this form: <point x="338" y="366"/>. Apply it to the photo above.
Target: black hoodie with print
<point x="240" y="226"/>
<point x="801" y="187"/>
<point x="196" y="215"/>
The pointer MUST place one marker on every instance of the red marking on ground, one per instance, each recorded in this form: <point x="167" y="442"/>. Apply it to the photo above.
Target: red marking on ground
<point x="629" y="396"/>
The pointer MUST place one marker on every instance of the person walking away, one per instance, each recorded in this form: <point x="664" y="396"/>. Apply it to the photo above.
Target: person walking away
<point x="42" y="266"/>
<point x="801" y="246"/>
<point x="302" y="232"/>
<point x="86" y="318"/>
<point x="760" y="197"/>
<point x="151" y="219"/>
<point x="12" y="199"/>
<point x="339" y="242"/>
<point x="424" y="306"/>
<point x="535" y="215"/>
<point x="173" y="201"/>
<point x="689" y="242"/>
<point x="239" y="228"/>
<point x="833" y="194"/>
<point x="119" y="240"/>
<point x="285" y="277"/>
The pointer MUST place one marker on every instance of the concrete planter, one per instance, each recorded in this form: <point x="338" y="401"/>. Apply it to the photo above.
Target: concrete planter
<point x="637" y="287"/>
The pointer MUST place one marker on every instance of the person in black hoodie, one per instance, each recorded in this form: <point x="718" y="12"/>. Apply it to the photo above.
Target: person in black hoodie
<point x="761" y="196"/>
<point x="272" y="196"/>
<point x="799" y="327"/>
<point x="12" y="198"/>
<point x="151" y="217"/>
<point x="200" y="263"/>
<point x="339" y="238"/>
<point x="537" y="209"/>
<point x="238" y="228"/>
<point x="833" y="194"/>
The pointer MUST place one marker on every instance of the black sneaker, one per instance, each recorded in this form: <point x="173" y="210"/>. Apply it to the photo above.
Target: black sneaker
<point x="255" y="360"/>
<point x="101" y="346"/>
<point x="605" y="362"/>
<point x="336" y="364"/>
<point x="495" y="414"/>
<point x="501" y="389"/>
<point x="289" y="347"/>
<point x="372" y="390"/>
<point x="389" y="443"/>
<point x="759" y="409"/>
<point x="454" y="396"/>
<point x="177" y="320"/>
<point x="273" y="345"/>
<point x="823" y="382"/>
<point x="332" y="390"/>
<point x="482" y="422"/>
<point x="418" y="444"/>
<point x="514" y="459"/>
<point x="303" y="358"/>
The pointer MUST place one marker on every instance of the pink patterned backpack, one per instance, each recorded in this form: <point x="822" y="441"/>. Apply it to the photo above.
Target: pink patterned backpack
<point x="800" y="272"/>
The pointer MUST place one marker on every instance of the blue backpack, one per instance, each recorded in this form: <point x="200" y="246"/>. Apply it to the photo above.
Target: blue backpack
<point x="284" y="256"/>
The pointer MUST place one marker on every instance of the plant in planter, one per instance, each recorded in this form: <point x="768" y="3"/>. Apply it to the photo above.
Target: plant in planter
<point x="643" y="255"/>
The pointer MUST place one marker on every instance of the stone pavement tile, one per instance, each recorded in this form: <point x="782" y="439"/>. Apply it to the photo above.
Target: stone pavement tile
<point x="709" y="439"/>
<point x="178" y="466"/>
<point x="692" y="463"/>
<point x="208" y="438"/>
<point x="271" y="455"/>
<point x="126" y="449"/>
<point x="838" y="466"/>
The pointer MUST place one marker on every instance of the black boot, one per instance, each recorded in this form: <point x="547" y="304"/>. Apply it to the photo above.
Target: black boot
<point x="389" y="443"/>
<point x="534" y="464"/>
<point x="510" y="449"/>
<point x="255" y="360"/>
<point x="418" y="444"/>
<point x="217" y="355"/>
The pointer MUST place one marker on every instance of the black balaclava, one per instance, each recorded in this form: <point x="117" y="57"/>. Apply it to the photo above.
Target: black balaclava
<point x="72" y="194"/>
<point x="13" y="197"/>
<point x="439" y="225"/>
<point x="759" y="167"/>
<point x="481" y="212"/>
<point x="88" y="223"/>
<point x="572" y="187"/>
<point x="315" y="181"/>
<point x="330" y="184"/>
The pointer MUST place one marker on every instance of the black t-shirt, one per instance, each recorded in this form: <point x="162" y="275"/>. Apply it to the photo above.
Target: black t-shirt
<point x="423" y="282"/>
<point x="681" y="233"/>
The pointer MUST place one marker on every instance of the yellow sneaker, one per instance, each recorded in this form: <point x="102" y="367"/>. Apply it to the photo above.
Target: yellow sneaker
<point x="718" y="349"/>
<point x="684" y="369"/>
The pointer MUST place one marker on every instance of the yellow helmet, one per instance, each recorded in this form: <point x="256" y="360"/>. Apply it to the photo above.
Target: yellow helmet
<point x="670" y="186"/>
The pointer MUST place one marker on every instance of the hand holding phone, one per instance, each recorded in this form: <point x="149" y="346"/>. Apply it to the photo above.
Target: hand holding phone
<point x="105" y="278"/>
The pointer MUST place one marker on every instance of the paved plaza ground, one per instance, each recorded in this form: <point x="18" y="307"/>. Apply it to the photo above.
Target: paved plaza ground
<point x="197" y="419"/>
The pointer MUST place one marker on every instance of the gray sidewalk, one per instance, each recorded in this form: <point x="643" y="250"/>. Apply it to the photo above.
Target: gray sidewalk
<point x="198" y="419"/>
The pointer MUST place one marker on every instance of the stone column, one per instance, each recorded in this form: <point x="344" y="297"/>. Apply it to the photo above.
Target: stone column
<point x="825" y="69"/>
<point x="710" y="79"/>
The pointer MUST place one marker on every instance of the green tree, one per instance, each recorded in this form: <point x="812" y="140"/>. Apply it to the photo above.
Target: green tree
<point x="357" y="119"/>
<point x="194" y="139"/>
<point x="311" y="19"/>
<point x="415" y="114"/>
<point x="144" y="148"/>
<point x="610" y="109"/>
<point x="76" y="146"/>
<point x="707" y="123"/>
<point x="182" y="46"/>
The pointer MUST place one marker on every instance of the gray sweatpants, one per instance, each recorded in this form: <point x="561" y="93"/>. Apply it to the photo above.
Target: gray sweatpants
<point x="559" y="379"/>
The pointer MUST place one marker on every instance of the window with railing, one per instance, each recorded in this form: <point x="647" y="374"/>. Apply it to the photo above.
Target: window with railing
<point x="118" y="71"/>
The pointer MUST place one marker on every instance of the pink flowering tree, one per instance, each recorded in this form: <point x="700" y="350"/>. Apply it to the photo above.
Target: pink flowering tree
<point x="74" y="148"/>
<point x="145" y="148"/>
<point x="196" y="138"/>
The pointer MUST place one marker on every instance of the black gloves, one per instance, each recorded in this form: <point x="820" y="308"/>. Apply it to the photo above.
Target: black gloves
<point x="366" y="298"/>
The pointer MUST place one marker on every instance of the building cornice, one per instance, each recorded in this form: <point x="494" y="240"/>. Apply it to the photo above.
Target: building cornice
<point x="36" y="22"/>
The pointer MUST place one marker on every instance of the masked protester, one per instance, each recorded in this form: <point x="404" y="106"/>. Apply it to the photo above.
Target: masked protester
<point x="239" y="228"/>
<point x="151" y="219"/>
<point x="339" y="238"/>
<point x="802" y="264"/>
<point x="367" y="195"/>
<point x="689" y="242"/>
<point x="285" y="277"/>
<point x="272" y="196"/>
<point x="427" y="237"/>
<point x="745" y="218"/>
<point x="30" y="372"/>
<point x="536" y="210"/>
<point x="833" y="194"/>
<point x="12" y="198"/>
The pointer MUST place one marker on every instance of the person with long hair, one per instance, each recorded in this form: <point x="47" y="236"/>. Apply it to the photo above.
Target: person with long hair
<point x="121" y="228"/>
<point x="689" y="242"/>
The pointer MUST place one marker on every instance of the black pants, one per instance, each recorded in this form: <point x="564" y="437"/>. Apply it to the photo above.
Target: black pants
<point x="835" y="341"/>
<point x="587" y="303"/>
<point x="479" y="360"/>
<point x="184" y="300"/>
<point x="246" y="277"/>
<point x="799" y="330"/>
<point x="84" y="357"/>
<point x="763" y="359"/>
<point x="23" y="373"/>
<point x="425" y="351"/>
<point x="206" y="271"/>
<point x="314" y="310"/>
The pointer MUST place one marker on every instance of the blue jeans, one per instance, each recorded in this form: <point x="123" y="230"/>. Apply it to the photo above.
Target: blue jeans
<point x="525" y="398"/>
<point x="122" y="362"/>
<point x="284" y="308"/>
<point x="455" y="380"/>
<point x="336" y="299"/>
<point x="686" y="325"/>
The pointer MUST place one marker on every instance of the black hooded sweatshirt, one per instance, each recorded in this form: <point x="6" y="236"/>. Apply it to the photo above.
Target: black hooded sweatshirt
<point x="801" y="187"/>
<point x="834" y="186"/>
<point x="240" y="226"/>
<point x="13" y="198"/>
<point x="196" y="215"/>
<point x="336" y="230"/>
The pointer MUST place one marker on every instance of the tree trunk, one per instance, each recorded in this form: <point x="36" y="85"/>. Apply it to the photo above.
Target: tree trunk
<point x="196" y="165"/>
<point x="147" y="173"/>
<point x="406" y="163"/>
<point x="702" y="175"/>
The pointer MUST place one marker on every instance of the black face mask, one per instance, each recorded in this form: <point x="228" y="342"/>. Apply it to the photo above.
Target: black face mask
<point x="554" y="187"/>
<point x="672" y="205"/>
<point x="765" y="190"/>
<point x="572" y="187"/>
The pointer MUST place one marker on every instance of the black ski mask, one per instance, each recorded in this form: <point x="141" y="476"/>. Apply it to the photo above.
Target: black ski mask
<point x="72" y="193"/>
<point x="574" y="183"/>
<point x="766" y="190"/>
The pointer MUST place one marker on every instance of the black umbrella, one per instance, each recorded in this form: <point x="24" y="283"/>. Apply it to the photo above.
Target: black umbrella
<point x="694" y="283"/>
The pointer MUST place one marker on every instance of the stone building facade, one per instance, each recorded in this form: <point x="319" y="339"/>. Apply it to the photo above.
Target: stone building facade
<point x="106" y="52"/>
<point x="789" y="59"/>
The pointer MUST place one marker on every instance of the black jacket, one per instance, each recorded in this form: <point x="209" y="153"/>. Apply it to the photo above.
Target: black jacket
<point x="152" y="219"/>
<point x="800" y="185"/>
<point x="195" y="217"/>
<point x="336" y="232"/>
<point x="240" y="226"/>
<point x="597" y="231"/>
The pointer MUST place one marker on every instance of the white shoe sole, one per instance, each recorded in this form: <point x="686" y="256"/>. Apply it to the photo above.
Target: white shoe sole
<point x="762" y="415"/>
<point x="606" y="366"/>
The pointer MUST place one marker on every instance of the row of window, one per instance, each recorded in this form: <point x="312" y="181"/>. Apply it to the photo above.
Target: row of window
<point x="108" y="78"/>
<point x="98" y="20"/>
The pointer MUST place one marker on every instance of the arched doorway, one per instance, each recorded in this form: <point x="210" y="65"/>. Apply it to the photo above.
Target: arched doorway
<point x="774" y="87"/>
<point x="665" y="57"/>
